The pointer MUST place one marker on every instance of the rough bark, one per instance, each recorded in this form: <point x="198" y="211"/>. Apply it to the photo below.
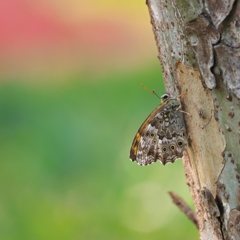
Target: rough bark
<point x="199" y="48"/>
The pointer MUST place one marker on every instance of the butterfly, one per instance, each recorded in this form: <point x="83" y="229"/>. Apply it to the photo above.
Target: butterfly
<point x="162" y="136"/>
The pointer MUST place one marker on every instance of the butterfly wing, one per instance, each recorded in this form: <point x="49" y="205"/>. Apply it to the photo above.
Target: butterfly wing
<point x="162" y="136"/>
<point x="172" y="149"/>
<point x="148" y="147"/>
<point x="143" y="149"/>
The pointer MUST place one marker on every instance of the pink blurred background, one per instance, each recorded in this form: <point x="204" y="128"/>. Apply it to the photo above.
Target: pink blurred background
<point x="48" y="39"/>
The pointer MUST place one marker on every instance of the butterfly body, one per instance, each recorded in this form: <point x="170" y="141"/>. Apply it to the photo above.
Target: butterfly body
<point x="162" y="136"/>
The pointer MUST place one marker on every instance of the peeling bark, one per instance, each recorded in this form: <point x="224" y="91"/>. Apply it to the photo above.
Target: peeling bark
<point x="199" y="49"/>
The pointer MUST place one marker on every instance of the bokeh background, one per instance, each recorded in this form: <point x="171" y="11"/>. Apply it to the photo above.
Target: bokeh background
<point x="70" y="104"/>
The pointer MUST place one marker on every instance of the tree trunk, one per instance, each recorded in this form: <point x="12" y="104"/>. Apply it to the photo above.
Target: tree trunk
<point x="199" y="48"/>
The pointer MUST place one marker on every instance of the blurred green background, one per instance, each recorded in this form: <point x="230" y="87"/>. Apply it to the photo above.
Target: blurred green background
<point x="70" y="105"/>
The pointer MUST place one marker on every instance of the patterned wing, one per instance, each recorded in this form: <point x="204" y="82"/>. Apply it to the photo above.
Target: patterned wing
<point x="148" y="147"/>
<point x="143" y="142"/>
<point x="161" y="137"/>
<point x="172" y="149"/>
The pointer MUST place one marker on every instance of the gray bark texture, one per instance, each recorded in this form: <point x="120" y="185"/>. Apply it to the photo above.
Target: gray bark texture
<point x="199" y="49"/>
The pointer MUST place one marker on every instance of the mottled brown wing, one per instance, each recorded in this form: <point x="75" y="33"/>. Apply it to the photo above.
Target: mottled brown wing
<point x="147" y="141"/>
<point x="148" y="149"/>
<point x="140" y="136"/>
<point x="172" y="149"/>
<point x="162" y="136"/>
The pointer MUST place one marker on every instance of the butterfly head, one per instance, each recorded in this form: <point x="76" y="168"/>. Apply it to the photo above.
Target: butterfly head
<point x="165" y="97"/>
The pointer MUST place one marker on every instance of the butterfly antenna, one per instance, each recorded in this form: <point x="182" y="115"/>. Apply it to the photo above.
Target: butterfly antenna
<point x="150" y="91"/>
